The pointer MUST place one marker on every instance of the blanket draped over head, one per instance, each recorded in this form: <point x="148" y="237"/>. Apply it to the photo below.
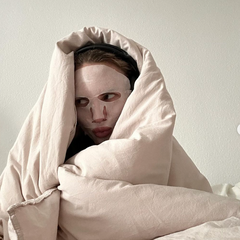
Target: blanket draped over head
<point x="140" y="184"/>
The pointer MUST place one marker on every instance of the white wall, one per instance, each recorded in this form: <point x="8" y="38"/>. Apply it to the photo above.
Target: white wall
<point x="196" y="44"/>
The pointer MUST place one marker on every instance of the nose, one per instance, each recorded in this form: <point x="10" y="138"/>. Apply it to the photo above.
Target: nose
<point x="99" y="113"/>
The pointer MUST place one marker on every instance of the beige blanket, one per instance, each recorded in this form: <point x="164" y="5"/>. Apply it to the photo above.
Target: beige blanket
<point x="138" y="185"/>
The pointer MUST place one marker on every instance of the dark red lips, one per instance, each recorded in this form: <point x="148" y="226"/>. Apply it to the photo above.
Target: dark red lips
<point x="102" y="132"/>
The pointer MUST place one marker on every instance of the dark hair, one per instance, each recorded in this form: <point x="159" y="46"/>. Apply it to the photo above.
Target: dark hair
<point x="96" y="53"/>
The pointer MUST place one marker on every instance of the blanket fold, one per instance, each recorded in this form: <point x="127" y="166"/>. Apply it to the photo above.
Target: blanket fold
<point x="141" y="172"/>
<point x="30" y="219"/>
<point x="110" y="209"/>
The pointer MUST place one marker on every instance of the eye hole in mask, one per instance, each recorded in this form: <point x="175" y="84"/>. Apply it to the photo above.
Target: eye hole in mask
<point x="105" y="97"/>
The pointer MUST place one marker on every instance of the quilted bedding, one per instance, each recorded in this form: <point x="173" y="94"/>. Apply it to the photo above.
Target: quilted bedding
<point x="140" y="184"/>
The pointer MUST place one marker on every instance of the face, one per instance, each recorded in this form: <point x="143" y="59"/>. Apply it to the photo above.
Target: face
<point x="101" y="92"/>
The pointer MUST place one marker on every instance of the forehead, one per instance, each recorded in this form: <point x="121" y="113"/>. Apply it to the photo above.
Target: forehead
<point x="94" y="79"/>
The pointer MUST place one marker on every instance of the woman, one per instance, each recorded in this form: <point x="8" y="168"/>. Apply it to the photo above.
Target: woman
<point x="104" y="78"/>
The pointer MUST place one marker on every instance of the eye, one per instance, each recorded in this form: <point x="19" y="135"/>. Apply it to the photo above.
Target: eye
<point x="109" y="97"/>
<point x="81" y="102"/>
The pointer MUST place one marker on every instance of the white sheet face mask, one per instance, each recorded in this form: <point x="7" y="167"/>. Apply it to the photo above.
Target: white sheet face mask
<point x="101" y="93"/>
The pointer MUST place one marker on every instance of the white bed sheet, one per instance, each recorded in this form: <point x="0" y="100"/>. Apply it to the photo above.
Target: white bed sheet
<point x="228" y="229"/>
